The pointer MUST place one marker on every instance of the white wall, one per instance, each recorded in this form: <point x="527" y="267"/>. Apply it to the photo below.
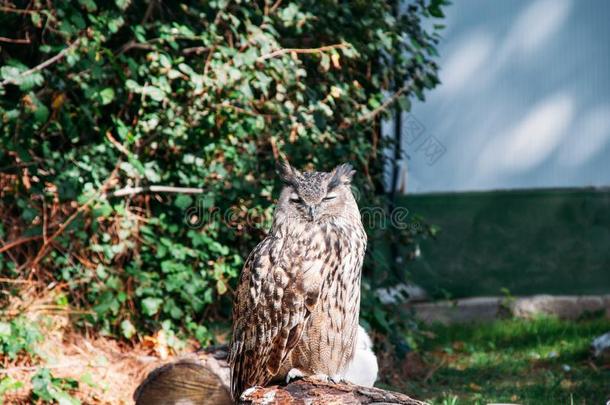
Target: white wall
<point x="524" y="100"/>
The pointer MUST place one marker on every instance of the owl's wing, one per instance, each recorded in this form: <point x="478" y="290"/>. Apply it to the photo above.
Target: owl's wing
<point x="279" y="288"/>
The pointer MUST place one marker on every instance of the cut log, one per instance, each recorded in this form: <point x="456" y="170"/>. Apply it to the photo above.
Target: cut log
<point x="203" y="378"/>
<point x="199" y="378"/>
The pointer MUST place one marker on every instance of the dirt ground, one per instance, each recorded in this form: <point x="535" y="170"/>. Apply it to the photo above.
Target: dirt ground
<point x="105" y="370"/>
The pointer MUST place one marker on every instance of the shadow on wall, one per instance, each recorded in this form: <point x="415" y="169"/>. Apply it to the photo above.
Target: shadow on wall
<point x="524" y="100"/>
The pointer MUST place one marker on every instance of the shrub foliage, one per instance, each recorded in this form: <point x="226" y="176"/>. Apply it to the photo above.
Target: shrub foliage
<point x="100" y="101"/>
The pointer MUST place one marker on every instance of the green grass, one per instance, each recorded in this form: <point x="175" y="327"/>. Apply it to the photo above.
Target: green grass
<point x="540" y="361"/>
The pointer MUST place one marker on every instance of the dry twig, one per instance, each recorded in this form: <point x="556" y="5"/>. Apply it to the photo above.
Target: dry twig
<point x="25" y="40"/>
<point x="284" y="51"/>
<point x="391" y="100"/>
<point x="18" y="242"/>
<point x="155" y="189"/>
<point x="44" y="64"/>
<point x="43" y="250"/>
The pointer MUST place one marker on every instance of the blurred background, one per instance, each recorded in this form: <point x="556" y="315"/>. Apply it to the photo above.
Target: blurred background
<point x="509" y="154"/>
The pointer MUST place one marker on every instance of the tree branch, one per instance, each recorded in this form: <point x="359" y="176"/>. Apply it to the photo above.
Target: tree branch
<point x="17" y="10"/>
<point x="133" y="44"/>
<point x="243" y="110"/>
<point x="275" y="6"/>
<point x="117" y="144"/>
<point x="7" y="280"/>
<point x="15" y="40"/>
<point x="196" y="50"/>
<point x="317" y="392"/>
<point x="43" y="250"/>
<point x="49" y="366"/>
<point x="155" y="189"/>
<point x="18" y="242"/>
<point x="386" y="104"/>
<point x="44" y="64"/>
<point x="284" y="51"/>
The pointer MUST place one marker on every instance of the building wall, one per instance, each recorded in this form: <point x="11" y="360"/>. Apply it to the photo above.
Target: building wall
<point x="524" y="103"/>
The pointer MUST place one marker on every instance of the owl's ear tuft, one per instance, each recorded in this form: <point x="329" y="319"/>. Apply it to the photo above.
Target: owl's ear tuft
<point x="287" y="173"/>
<point x="342" y="174"/>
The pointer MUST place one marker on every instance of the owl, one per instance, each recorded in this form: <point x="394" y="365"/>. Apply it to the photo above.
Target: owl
<point x="297" y="304"/>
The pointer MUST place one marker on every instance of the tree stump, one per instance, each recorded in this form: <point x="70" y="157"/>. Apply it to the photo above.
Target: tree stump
<point x="195" y="379"/>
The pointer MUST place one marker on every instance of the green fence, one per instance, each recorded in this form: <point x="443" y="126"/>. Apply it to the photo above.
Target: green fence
<point x="554" y="241"/>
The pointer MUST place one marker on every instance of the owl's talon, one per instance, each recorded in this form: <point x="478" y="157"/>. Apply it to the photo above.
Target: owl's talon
<point x="294" y="374"/>
<point x="321" y="377"/>
<point x="248" y="391"/>
<point x="337" y="378"/>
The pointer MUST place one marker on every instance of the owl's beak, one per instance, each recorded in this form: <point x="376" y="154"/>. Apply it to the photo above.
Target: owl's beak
<point x="311" y="210"/>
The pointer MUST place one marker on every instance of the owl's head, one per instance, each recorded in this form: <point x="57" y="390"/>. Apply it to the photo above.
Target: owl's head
<point x="316" y="196"/>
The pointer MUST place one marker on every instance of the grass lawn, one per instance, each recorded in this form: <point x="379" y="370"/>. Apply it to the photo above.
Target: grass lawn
<point x="540" y="361"/>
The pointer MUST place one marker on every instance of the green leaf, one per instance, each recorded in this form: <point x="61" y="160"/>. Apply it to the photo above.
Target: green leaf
<point x="404" y="103"/>
<point x="115" y="23"/>
<point x="107" y="95"/>
<point x="150" y="306"/>
<point x="127" y="329"/>
<point x="5" y="329"/>
<point x="221" y="287"/>
<point x="154" y="93"/>
<point x="183" y="201"/>
<point x="42" y="384"/>
<point x="436" y="11"/>
<point x="89" y="5"/>
<point x="325" y="62"/>
<point x="8" y="384"/>
<point x="122" y="4"/>
<point x="63" y="398"/>
<point x="41" y="113"/>
<point x="88" y="379"/>
<point x="36" y="20"/>
<point x="11" y="73"/>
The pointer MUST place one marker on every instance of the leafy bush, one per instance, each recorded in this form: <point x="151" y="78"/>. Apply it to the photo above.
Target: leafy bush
<point x="17" y="337"/>
<point x="100" y="98"/>
<point x="49" y="389"/>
